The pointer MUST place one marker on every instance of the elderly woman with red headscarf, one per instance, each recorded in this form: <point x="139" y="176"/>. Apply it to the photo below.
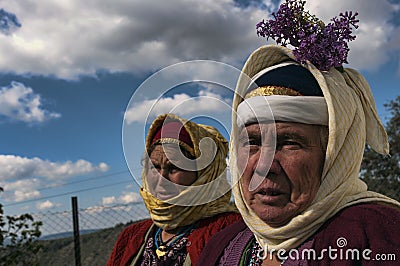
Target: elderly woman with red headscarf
<point x="298" y="137"/>
<point x="185" y="190"/>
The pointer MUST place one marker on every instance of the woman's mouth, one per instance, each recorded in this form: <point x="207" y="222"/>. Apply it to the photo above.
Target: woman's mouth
<point x="270" y="196"/>
<point x="269" y="192"/>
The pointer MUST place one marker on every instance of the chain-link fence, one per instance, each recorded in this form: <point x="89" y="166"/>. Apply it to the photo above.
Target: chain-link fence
<point x="99" y="228"/>
<point x="56" y="224"/>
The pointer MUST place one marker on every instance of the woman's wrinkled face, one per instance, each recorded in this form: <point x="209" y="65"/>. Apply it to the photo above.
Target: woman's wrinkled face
<point x="163" y="176"/>
<point x="291" y="182"/>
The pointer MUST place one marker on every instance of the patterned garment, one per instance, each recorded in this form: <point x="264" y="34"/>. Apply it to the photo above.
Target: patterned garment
<point x="254" y="251"/>
<point x="175" y="255"/>
<point x="254" y="259"/>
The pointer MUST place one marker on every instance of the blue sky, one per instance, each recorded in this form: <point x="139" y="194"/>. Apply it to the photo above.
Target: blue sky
<point x="68" y="70"/>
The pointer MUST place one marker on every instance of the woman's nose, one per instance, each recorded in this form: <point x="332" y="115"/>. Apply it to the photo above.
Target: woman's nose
<point x="267" y="162"/>
<point x="164" y="172"/>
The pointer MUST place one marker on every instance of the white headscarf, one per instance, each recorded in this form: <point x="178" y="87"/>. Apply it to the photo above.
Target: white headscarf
<point x="353" y="121"/>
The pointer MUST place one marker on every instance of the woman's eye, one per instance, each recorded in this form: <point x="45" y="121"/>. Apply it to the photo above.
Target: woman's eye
<point x="250" y="142"/>
<point x="173" y="169"/>
<point x="290" y="144"/>
<point x="249" y="146"/>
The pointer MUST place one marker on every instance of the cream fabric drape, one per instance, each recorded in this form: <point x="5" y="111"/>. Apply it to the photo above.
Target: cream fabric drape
<point x="353" y="120"/>
<point x="209" y="195"/>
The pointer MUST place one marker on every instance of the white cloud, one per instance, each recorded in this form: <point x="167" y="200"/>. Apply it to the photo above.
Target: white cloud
<point x="139" y="113"/>
<point x="206" y="102"/>
<point x="124" y="198"/>
<point x="105" y="215"/>
<point x="103" y="167"/>
<point x="25" y="195"/>
<point x="23" y="178"/>
<point x="20" y="103"/>
<point x="95" y="209"/>
<point x="22" y="184"/>
<point x="46" y="205"/>
<point x="15" y="167"/>
<point x="79" y="37"/>
<point x="108" y="200"/>
<point x="70" y="38"/>
<point x="129" y="197"/>
<point x="21" y="190"/>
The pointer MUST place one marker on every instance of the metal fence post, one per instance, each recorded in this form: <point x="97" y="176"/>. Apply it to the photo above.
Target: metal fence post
<point x="75" y="220"/>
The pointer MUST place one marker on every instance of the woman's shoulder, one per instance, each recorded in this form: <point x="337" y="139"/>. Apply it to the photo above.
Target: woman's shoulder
<point x="362" y="217"/>
<point x="206" y="229"/>
<point x="139" y="225"/>
<point x="135" y="230"/>
<point x="365" y="217"/>
<point x="369" y="210"/>
<point x="128" y="242"/>
<point x="215" y="247"/>
<point x="212" y="225"/>
<point x="371" y="226"/>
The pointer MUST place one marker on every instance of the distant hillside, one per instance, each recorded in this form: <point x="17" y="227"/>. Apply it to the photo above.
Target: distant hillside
<point x="67" y="234"/>
<point x="95" y="248"/>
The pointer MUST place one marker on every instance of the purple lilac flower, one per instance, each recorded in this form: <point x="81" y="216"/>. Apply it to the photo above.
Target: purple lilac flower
<point x="325" y="46"/>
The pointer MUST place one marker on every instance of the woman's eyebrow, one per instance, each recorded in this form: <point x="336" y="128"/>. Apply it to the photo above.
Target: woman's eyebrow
<point x="294" y="136"/>
<point x="249" y="135"/>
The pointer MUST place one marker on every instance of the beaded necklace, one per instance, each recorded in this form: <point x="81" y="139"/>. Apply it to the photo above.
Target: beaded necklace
<point x="162" y="247"/>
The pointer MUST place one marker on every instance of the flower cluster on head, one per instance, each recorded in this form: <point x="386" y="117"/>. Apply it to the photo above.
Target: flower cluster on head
<point x="325" y="46"/>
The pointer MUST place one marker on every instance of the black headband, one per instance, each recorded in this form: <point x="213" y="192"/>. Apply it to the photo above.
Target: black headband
<point x="294" y="77"/>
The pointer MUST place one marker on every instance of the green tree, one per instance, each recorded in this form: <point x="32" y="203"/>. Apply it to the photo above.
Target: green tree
<point x="18" y="236"/>
<point x="382" y="173"/>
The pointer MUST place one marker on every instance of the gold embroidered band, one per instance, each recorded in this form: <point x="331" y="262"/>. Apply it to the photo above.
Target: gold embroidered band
<point x="272" y="90"/>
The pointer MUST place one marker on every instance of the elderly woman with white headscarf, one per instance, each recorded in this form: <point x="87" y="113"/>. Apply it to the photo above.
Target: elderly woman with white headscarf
<point x="297" y="144"/>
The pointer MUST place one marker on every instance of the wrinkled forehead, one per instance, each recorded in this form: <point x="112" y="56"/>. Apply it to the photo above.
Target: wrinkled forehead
<point x="256" y="128"/>
<point x="279" y="128"/>
<point x="173" y="154"/>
